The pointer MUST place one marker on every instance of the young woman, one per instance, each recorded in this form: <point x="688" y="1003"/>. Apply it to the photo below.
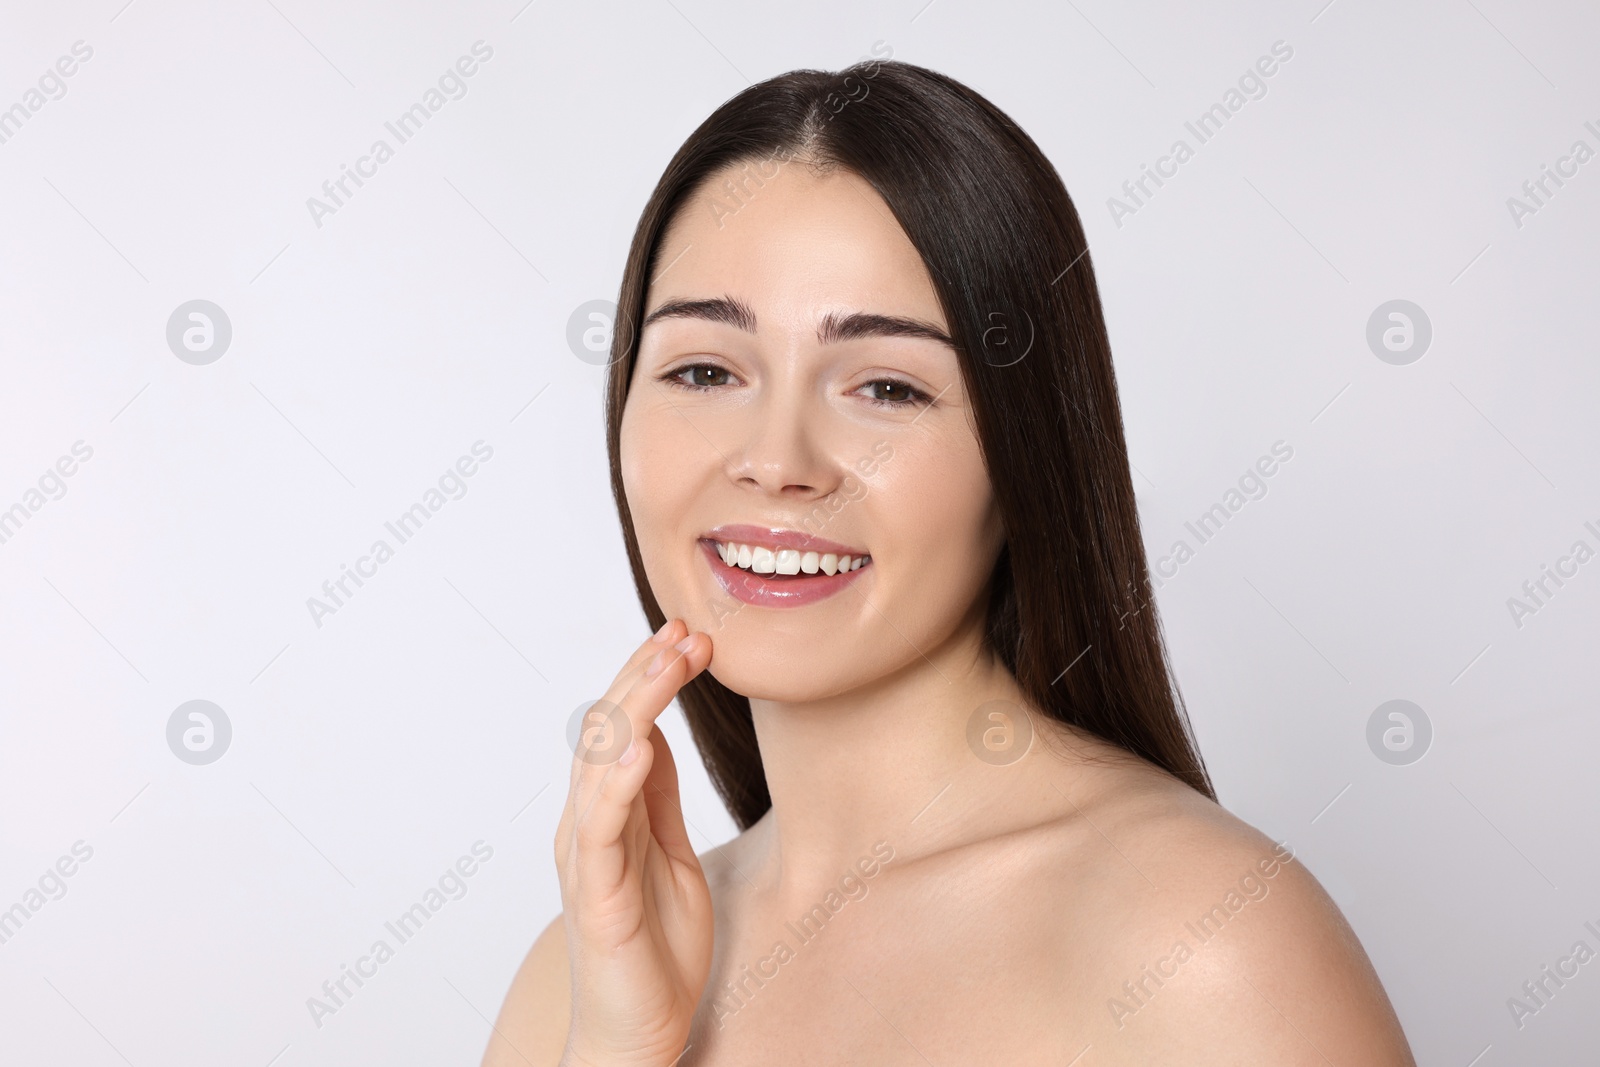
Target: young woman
<point x="867" y="451"/>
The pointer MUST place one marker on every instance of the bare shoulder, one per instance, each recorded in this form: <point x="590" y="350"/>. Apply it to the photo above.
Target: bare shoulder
<point x="1219" y="945"/>
<point x="532" y="1027"/>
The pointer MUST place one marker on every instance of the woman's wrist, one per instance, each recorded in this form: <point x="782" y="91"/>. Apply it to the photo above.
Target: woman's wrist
<point x="571" y="1057"/>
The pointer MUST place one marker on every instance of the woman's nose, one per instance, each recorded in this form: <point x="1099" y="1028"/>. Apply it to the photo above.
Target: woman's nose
<point x="777" y="449"/>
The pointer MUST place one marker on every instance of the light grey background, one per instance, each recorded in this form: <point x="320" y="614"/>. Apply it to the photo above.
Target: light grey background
<point x="431" y="311"/>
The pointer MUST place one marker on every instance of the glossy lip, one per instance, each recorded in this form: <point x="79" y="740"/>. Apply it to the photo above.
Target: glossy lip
<point x="767" y="592"/>
<point x="741" y="533"/>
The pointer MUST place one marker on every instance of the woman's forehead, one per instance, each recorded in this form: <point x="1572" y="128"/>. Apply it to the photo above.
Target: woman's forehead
<point x="796" y="245"/>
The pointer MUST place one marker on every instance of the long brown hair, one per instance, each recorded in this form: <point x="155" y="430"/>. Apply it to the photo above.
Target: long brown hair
<point x="1002" y="242"/>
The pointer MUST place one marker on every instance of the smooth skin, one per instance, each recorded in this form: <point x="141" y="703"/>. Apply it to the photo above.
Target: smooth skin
<point x="904" y="901"/>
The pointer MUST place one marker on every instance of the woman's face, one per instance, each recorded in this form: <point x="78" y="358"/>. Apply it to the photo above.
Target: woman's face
<point x="787" y="389"/>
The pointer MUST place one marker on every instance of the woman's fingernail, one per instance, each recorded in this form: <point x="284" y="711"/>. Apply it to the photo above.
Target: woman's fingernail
<point x="661" y="634"/>
<point x="683" y="646"/>
<point x="631" y="754"/>
<point x="656" y="664"/>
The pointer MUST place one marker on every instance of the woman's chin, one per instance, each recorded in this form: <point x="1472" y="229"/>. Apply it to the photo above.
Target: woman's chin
<point x="783" y="678"/>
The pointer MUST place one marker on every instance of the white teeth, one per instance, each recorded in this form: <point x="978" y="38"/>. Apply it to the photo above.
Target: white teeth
<point x="762" y="560"/>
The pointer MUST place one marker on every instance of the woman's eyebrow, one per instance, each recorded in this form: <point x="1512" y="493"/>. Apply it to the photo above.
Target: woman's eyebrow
<point x="835" y="327"/>
<point x="724" y="309"/>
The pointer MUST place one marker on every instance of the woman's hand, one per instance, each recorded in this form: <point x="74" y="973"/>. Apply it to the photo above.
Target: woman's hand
<point x="636" y="905"/>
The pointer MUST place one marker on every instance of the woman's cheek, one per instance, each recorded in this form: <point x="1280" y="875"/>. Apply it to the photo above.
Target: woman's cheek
<point x="941" y="503"/>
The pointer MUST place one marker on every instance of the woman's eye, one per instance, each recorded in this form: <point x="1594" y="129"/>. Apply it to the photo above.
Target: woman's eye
<point x="894" y="393"/>
<point x="884" y="392"/>
<point x="700" y="376"/>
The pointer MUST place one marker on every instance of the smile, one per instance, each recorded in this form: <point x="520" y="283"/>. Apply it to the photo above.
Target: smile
<point x="781" y="561"/>
<point x="780" y="568"/>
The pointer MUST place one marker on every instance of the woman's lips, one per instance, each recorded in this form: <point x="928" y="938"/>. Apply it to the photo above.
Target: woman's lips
<point x="777" y="590"/>
<point x="776" y="537"/>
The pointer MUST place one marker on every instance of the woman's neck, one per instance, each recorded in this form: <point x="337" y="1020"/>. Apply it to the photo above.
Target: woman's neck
<point x="888" y="762"/>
